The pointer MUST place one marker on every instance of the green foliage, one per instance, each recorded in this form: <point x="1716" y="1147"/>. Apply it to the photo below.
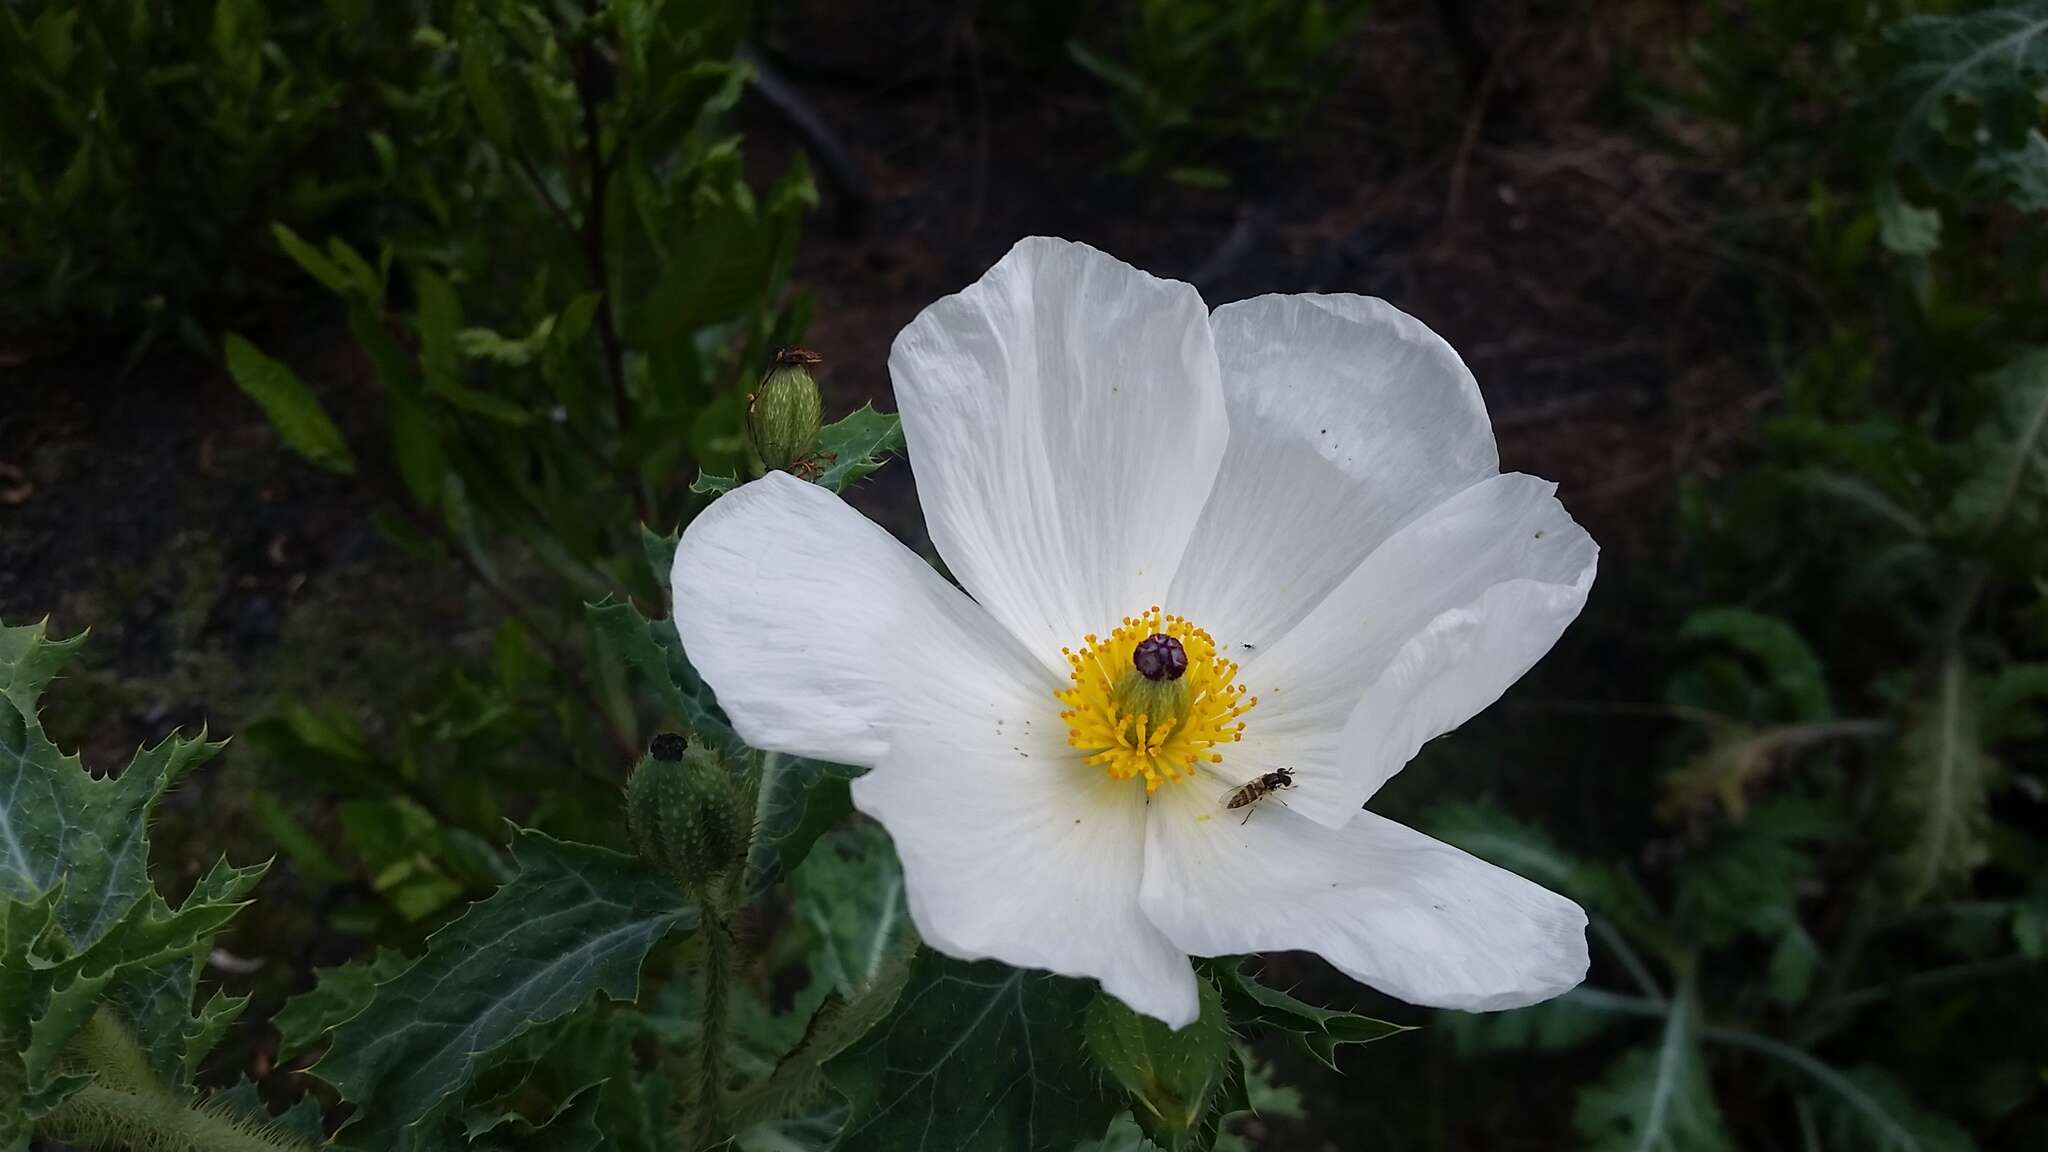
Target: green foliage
<point x="1172" y="1076"/>
<point x="574" y="922"/>
<point x="1318" y="1032"/>
<point x="1184" y="74"/>
<point x="291" y="406"/>
<point x="975" y="1056"/>
<point x="99" y="1032"/>
<point x="151" y="144"/>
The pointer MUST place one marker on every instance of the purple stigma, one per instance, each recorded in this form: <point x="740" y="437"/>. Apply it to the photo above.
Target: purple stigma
<point x="1160" y="657"/>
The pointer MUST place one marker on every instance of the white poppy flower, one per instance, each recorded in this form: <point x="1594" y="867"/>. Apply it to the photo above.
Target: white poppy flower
<point x="1308" y="486"/>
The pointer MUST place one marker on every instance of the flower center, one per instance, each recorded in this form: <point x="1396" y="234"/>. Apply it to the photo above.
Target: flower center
<point x="1152" y="699"/>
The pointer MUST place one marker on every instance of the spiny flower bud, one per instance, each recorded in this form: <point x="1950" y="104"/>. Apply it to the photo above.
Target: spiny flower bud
<point x="785" y="411"/>
<point x="689" y="814"/>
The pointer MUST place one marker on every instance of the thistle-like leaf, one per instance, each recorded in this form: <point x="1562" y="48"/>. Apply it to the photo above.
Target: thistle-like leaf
<point x="1944" y="784"/>
<point x="576" y="921"/>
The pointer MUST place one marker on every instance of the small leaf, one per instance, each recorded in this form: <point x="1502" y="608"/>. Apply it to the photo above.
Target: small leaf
<point x="1903" y="228"/>
<point x="854" y="447"/>
<point x="849" y="891"/>
<point x="1320" y="1032"/>
<point x="291" y="406"/>
<point x="713" y="484"/>
<point x="312" y="260"/>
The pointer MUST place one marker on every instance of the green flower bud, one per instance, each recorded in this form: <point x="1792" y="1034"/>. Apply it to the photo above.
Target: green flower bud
<point x="785" y="412"/>
<point x="690" y="815"/>
<point x="1174" y="1078"/>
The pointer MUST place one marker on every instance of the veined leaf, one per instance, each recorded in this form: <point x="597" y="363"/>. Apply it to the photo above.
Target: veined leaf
<point x="338" y="995"/>
<point x="976" y="1057"/>
<point x="1944" y="785"/>
<point x="857" y="445"/>
<point x="1990" y="61"/>
<point x="291" y="406"/>
<point x="2013" y="444"/>
<point x="1656" y="1099"/>
<point x="82" y="929"/>
<point x="576" y="921"/>
<point x="849" y="891"/>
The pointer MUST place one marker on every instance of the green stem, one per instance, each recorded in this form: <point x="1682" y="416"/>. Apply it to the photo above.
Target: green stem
<point x="110" y="1118"/>
<point x="116" y="1060"/>
<point x="705" y="1122"/>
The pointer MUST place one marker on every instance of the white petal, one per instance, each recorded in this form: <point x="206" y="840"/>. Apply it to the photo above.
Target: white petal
<point x="1411" y="916"/>
<point x="1348" y="419"/>
<point x="1013" y="850"/>
<point x="819" y="633"/>
<point x="1064" y="421"/>
<point x="1428" y="630"/>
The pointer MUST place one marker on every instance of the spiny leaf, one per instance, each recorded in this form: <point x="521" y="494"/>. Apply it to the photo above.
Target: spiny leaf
<point x="1944" y="785"/>
<point x="654" y="653"/>
<point x="857" y="445"/>
<point x="81" y="925"/>
<point x="291" y="406"/>
<point x="338" y="995"/>
<point x="1319" y="1031"/>
<point x="2012" y="444"/>
<point x="577" y="920"/>
<point x="976" y="1056"/>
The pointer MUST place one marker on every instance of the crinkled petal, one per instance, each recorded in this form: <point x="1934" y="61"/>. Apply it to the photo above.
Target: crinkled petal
<point x="1425" y="632"/>
<point x="819" y="632"/>
<point x="1348" y="419"/>
<point x="1012" y="850"/>
<point x="1409" y="915"/>
<point x="1064" y="420"/>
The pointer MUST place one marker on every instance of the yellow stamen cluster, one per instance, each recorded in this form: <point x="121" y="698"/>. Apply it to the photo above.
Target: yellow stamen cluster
<point x="1162" y="741"/>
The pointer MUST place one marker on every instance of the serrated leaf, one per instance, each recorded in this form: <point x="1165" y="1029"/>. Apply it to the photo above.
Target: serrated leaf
<point x="336" y="997"/>
<point x="713" y="483"/>
<point x="576" y="921"/>
<point x="856" y="445"/>
<point x="976" y="1057"/>
<point x="1320" y="1032"/>
<point x="79" y="918"/>
<point x="2011" y="445"/>
<point x="291" y="406"/>
<point x="1944" y="785"/>
<point x="1792" y="671"/>
<point x="653" y="651"/>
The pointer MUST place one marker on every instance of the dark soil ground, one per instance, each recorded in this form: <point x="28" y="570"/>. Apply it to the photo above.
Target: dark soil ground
<point x="1517" y="208"/>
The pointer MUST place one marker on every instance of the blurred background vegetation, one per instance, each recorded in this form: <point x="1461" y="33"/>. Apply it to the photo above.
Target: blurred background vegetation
<point x="345" y="348"/>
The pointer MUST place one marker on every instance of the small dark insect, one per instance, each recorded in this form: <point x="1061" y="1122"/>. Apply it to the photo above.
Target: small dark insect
<point x="1258" y="789"/>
